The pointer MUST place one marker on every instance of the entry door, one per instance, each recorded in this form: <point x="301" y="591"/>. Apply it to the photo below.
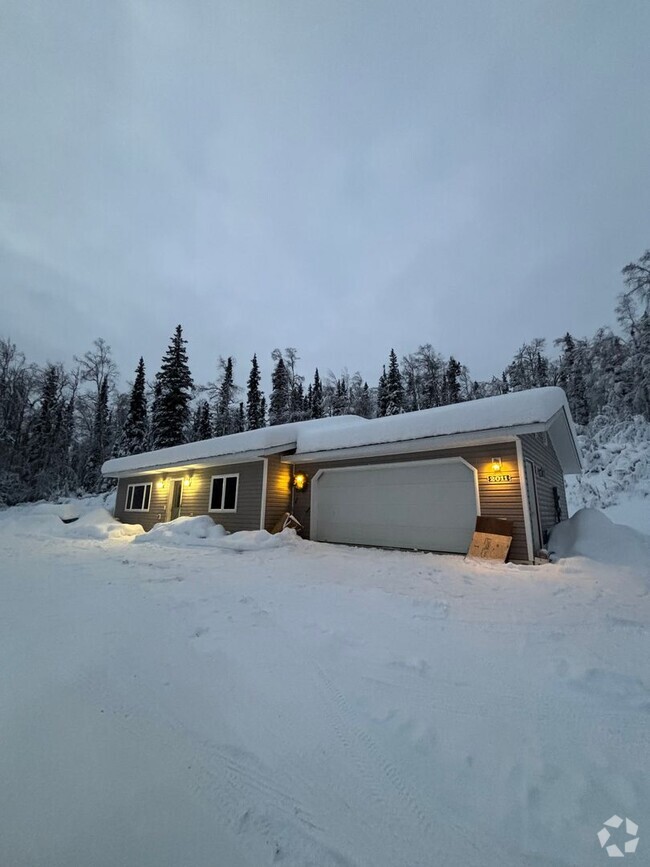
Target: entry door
<point x="533" y="506"/>
<point x="176" y="499"/>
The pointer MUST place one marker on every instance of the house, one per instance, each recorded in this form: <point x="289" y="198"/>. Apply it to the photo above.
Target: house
<point x="416" y="480"/>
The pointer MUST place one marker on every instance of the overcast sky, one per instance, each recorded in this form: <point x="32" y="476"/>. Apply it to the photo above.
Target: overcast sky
<point x="342" y="177"/>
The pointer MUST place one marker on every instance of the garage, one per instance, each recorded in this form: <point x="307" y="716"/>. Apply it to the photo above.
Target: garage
<point x="431" y="505"/>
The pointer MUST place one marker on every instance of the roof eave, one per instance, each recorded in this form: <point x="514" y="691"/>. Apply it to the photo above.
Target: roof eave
<point x="420" y="444"/>
<point x="200" y="463"/>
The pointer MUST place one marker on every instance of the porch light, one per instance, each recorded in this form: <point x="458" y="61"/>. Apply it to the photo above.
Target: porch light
<point x="187" y="480"/>
<point x="161" y="483"/>
<point x="300" y="481"/>
<point x="496" y="465"/>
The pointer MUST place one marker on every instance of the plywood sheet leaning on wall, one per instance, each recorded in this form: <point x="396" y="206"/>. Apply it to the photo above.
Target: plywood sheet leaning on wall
<point x="491" y="540"/>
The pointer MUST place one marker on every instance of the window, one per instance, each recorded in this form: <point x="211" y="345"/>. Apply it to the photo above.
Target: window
<point x="223" y="493"/>
<point x="138" y="497"/>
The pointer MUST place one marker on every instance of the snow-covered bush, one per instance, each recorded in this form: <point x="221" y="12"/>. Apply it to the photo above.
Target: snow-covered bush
<point x="616" y="457"/>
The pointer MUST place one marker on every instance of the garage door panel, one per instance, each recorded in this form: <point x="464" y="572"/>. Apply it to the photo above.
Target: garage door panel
<point x="429" y="505"/>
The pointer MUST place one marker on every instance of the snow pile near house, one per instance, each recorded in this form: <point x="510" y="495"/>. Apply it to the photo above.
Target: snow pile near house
<point x="590" y="533"/>
<point x="65" y="508"/>
<point x="99" y="524"/>
<point x="202" y="531"/>
<point x="70" y="517"/>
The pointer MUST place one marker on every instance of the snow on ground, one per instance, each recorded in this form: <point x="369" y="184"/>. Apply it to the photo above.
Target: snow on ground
<point x="306" y="704"/>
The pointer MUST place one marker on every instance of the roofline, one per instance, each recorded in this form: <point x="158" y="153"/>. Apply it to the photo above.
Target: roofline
<point x="210" y="461"/>
<point x="421" y="444"/>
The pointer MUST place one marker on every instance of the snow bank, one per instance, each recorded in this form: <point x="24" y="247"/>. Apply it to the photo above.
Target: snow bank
<point x="202" y="531"/>
<point x="89" y="518"/>
<point x="590" y="533"/>
<point x="99" y="524"/>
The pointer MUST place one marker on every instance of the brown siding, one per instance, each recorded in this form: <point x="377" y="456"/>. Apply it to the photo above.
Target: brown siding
<point x="196" y="497"/>
<point x="548" y="474"/>
<point x="497" y="500"/>
<point x="278" y="491"/>
<point x="157" y="504"/>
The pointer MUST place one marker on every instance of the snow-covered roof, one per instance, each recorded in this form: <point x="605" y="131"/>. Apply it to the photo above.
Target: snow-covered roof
<point x="506" y="410"/>
<point x="344" y="436"/>
<point x="252" y="443"/>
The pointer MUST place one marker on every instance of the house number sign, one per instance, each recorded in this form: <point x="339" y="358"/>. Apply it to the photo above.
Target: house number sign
<point x="500" y="479"/>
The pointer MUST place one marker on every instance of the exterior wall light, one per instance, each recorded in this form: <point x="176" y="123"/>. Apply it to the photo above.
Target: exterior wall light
<point x="496" y="465"/>
<point x="187" y="480"/>
<point x="300" y="481"/>
<point x="161" y="484"/>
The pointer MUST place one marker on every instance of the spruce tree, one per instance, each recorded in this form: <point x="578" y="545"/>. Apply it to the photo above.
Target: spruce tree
<point x="254" y="398"/>
<point x="452" y="380"/>
<point x="394" y="389"/>
<point x="317" y="397"/>
<point x="201" y="428"/>
<point x="99" y="443"/>
<point x="382" y="394"/>
<point x="44" y="459"/>
<point x="175" y="386"/>
<point x="280" y="403"/>
<point x="224" y="420"/>
<point x="136" y="426"/>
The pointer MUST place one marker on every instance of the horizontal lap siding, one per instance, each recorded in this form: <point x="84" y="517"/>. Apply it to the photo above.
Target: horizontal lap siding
<point x="538" y="449"/>
<point x="157" y="504"/>
<point x="278" y="491"/>
<point x="196" y="497"/>
<point x="497" y="500"/>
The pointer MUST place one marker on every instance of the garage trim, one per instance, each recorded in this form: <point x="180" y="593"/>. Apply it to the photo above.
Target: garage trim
<point x="313" y="499"/>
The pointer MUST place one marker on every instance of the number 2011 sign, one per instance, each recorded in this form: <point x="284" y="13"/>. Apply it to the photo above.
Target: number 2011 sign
<point x="500" y="479"/>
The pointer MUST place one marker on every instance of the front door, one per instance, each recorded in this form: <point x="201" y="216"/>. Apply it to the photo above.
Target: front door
<point x="176" y="499"/>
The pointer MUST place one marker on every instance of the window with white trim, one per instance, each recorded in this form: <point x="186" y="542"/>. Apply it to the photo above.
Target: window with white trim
<point x="138" y="497"/>
<point x="223" y="493"/>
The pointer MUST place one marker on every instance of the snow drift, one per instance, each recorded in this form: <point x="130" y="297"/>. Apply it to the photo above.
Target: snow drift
<point x="590" y="533"/>
<point x="202" y="531"/>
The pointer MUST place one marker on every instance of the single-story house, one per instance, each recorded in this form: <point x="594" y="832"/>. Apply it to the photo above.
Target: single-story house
<point x="416" y="480"/>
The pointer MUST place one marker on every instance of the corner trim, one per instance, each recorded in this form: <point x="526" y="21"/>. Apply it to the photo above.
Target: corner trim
<point x="265" y="482"/>
<point x="525" y="506"/>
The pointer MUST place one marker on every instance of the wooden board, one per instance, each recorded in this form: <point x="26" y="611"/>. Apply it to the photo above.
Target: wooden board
<point x="287" y="520"/>
<point x="494" y="526"/>
<point x="489" y="546"/>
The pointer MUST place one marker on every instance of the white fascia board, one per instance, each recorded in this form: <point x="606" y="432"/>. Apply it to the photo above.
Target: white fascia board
<point x="426" y="444"/>
<point x="217" y="461"/>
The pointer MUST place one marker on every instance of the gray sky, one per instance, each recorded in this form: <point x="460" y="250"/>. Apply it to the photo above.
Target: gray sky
<point x="342" y="177"/>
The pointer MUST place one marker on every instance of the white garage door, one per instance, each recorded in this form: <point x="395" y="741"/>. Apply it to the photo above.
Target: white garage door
<point x="431" y="505"/>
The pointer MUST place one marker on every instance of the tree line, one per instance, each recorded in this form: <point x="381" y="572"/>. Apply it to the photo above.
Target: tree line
<point x="58" y="426"/>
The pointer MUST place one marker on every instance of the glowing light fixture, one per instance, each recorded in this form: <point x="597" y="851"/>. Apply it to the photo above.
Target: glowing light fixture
<point x="187" y="480"/>
<point x="161" y="483"/>
<point x="300" y="481"/>
<point x="496" y="465"/>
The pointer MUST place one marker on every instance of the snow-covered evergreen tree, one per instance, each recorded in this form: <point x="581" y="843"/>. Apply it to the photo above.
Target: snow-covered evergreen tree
<point x="201" y="427"/>
<point x="135" y="435"/>
<point x="280" y="401"/>
<point x="394" y="389"/>
<point x="316" y="409"/>
<point x="255" y="414"/>
<point x="224" y="417"/>
<point x="171" y="409"/>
